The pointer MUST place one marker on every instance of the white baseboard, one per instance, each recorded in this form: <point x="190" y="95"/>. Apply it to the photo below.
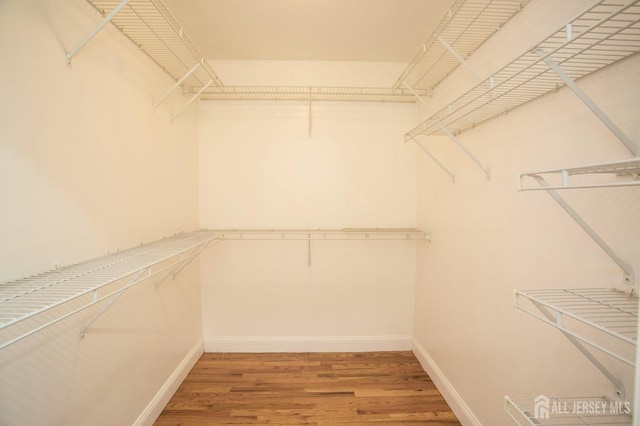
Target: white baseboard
<point x="307" y="344"/>
<point x="162" y="397"/>
<point x="455" y="401"/>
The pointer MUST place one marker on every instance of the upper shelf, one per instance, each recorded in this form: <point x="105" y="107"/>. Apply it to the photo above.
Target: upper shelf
<point x="150" y="25"/>
<point x="299" y="93"/>
<point x="467" y="25"/>
<point x="605" y="33"/>
<point x="624" y="168"/>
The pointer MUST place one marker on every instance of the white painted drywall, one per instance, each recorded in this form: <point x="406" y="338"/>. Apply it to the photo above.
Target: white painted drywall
<point x="489" y="239"/>
<point x="259" y="168"/>
<point x="86" y="167"/>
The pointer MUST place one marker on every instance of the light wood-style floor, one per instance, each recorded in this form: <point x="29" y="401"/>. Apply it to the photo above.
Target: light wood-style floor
<point x="374" y="388"/>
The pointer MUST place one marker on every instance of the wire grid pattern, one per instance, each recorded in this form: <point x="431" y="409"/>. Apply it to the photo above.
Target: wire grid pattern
<point x="300" y="93"/>
<point x="150" y="25"/>
<point x="33" y="295"/>
<point x="611" y="311"/>
<point x="324" y="234"/>
<point x="574" y="411"/>
<point x="466" y="26"/>
<point x="605" y="33"/>
<point x="624" y="167"/>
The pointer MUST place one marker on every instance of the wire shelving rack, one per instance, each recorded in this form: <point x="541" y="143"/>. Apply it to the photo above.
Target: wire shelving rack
<point x="72" y="289"/>
<point x="621" y="169"/>
<point x="465" y="27"/>
<point x="605" y="33"/>
<point x="152" y="27"/>
<point x="587" y="411"/>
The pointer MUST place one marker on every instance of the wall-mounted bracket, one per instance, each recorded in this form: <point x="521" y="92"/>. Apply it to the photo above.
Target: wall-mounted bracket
<point x="619" y="386"/>
<point x="464" y="148"/>
<point x="96" y="30"/>
<point x="178" y="83"/>
<point x="193" y="98"/>
<point x="451" y="175"/>
<point x="635" y="150"/>
<point x="459" y="58"/>
<point x="629" y="275"/>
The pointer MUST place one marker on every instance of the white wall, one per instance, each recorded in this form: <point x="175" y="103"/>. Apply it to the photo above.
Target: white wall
<point x="86" y="167"/>
<point x="489" y="238"/>
<point x="259" y="168"/>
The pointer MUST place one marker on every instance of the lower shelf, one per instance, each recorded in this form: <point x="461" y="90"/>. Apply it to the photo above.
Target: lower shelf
<point x="586" y="314"/>
<point x="587" y="411"/>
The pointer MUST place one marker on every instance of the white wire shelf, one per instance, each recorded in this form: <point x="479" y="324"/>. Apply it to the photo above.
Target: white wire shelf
<point x="390" y="234"/>
<point x="94" y="281"/>
<point x="625" y="168"/>
<point x="300" y="93"/>
<point x="152" y="27"/>
<point x="585" y="411"/>
<point x="608" y="312"/>
<point x="605" y="33"/>
<point x="465" y="27"/>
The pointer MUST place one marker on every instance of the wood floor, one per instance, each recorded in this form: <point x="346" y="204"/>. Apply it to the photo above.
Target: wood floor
<point x="374" y="388"/>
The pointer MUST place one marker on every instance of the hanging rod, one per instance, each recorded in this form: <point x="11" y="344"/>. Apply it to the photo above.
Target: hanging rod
<point x="396" y="234"/>
<point x="605" y="33"/>
<point x="465" y="27"/>
<point x="622" y="169"/>
<point x="308" y="94"/>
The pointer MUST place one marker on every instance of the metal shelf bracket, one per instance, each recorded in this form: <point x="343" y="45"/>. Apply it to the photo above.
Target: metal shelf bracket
<point x="629" y="275"/>
<point x="458" y="57"/>
<point x="635" y="150"/>
<point x="435" y="160"/>
<point x="464" y="148"/>
<point x="178" y="83"/>
<point x="193" y="98"/>
<point x="96" y="30"/>
<point x="620" y="390"/>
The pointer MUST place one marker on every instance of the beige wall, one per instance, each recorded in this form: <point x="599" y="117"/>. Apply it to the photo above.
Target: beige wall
<point x="86" y="167"/>
<point x="259" y="168"/>
<point x="488" y="238"/>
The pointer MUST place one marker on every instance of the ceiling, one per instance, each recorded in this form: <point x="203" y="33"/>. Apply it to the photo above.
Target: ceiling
<point x="309" y="30"/>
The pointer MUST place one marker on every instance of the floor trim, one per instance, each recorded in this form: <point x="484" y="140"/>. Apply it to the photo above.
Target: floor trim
<point x="453" y="398"/>
<point x="308" y="344"/>
<point x="170" y="386"/>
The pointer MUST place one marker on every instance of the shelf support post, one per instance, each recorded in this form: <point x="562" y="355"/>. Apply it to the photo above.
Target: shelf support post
<point x="620" y="391"/>
<point x="459" y="58"/>
<point x="178" y="83"/>
<point x="464" y="148"/>
<point x="451" y="175"/>
<point x="193" y="98"/>
<point x="635" y="150"/>
<point x="96" y="30"/>
<point x="629" y="275"/>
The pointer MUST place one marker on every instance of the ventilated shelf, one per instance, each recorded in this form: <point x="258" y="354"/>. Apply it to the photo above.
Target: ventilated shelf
<point x="577" y="312"/>
<point x="621" y="171"/>
<point x="152" y="27"/>
<point x="467" y="24"/>
<point x="395" y="234"/>
<point x="585" y="411"/>
<point x="605" y="33"/>
<point x="88" y="283"/>
<point x="291" y="93"/>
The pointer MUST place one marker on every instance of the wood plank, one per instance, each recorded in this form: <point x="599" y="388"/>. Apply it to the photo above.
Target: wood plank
<point x="317" y="389"/>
